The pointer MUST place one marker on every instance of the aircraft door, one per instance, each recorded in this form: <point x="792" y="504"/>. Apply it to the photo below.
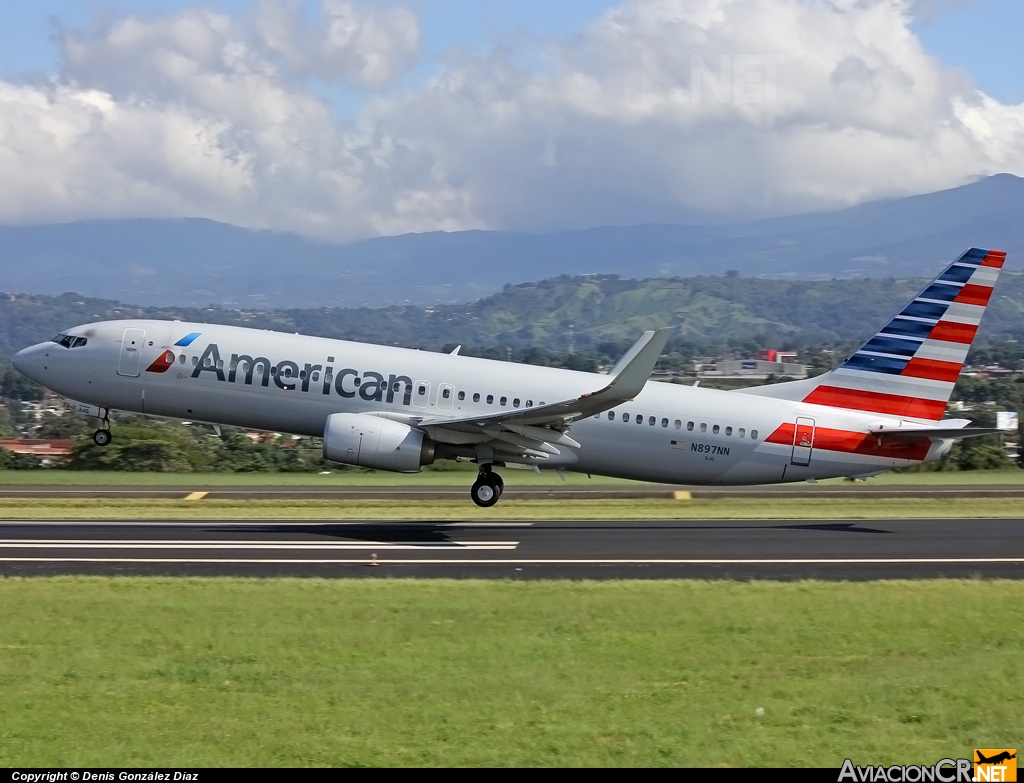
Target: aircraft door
<point x="803" y="441"/>
<point x="130" y="360"/>
<point x="445" y="397"/>
<point x="421" y="393"/>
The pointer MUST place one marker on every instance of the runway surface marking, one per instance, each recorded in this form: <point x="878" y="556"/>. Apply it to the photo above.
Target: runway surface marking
<point x="539" y="561"/>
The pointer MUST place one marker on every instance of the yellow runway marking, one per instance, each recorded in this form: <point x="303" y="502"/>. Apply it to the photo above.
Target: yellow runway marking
<point x="196" y="495"/>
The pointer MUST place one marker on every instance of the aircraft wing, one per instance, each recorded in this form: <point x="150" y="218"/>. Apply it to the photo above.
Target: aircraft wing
<point x="536" y="431"/>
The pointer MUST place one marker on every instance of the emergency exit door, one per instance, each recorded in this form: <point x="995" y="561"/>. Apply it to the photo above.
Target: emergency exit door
<point x="803" y="441"/>
<point x="130" y="360"/>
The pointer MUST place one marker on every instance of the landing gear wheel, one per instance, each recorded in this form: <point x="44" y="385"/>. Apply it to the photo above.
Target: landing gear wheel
<point x="102" y="437"/>
<point x="498" y="483"/>
<point x="486" y="490"/>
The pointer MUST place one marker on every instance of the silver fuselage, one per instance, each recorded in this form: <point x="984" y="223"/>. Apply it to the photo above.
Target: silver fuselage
<point x="291" y="383"/>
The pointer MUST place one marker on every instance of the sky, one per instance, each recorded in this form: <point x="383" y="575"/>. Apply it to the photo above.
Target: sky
<point x="341" y="119"/>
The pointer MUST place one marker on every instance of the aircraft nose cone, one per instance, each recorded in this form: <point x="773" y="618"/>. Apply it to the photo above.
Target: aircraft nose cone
<point x="29" y="362"/>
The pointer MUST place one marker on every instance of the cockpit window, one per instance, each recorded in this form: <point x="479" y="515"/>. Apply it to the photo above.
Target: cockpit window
<point x="69" y="341"/>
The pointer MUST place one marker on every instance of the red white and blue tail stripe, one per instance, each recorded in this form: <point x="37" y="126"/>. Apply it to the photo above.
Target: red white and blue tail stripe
<point x="910" y="366"/>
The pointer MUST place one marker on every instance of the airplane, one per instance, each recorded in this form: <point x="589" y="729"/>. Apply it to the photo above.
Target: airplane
<point x="399" y="409"/>
<point x="996" y="759"/>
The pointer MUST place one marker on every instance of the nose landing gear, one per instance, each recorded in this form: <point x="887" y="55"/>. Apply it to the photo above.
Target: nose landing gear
<point x="487" y="488"/>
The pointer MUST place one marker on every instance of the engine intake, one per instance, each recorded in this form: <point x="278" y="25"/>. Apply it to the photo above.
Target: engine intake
<point x="373" y="442"/>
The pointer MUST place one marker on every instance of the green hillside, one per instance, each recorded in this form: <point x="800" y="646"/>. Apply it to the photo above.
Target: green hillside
<point x="582" y="313"/>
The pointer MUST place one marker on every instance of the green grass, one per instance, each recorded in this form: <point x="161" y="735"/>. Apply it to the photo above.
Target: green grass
<point x="511" y="509"/>
<point x="457" y="476"/>
<point x="207" y="672"/>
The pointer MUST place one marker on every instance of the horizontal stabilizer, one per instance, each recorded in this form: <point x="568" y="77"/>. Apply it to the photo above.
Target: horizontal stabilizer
<point x="935" y="433"/>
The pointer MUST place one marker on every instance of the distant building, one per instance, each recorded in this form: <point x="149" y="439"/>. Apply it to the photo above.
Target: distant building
<point x="989" y="371"/>
<point x="781" y="364"/>
<point x="46" y="451"/>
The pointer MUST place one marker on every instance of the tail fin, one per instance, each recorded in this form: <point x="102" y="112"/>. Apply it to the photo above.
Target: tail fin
<point x="910" y="366"/>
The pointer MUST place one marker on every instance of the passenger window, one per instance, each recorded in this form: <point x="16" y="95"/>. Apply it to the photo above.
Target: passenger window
<point x="490" y="399"/>
<point x="664" y="422"/>
<point x="703" y="427"/>
<point x="652" y="421"/>
<point x="625" y="417"/>
<point x="529" y="403"/>
<point x="689" y="426"/>
<point x="714" y="429"/>
<point x="611" y="415"/>
<point x="679" y="424"/>
<point x="515" y="404"/>
<point x="195" y="360"/>
<point x="503" y="402"/>
<point x="462" y="396"/>
<point x="476" y="397"/>
<point x="742" y="432"/>
<point x="446" y="393"/>
<point x="753" y="434"/>
<point x="728" y="430"/>
<point x="181" y="359"/>
<point x="639" y="418"/>
<point x="220" y="365"/>
<point x="422" y="390"/>
<point x="315" y="376"/>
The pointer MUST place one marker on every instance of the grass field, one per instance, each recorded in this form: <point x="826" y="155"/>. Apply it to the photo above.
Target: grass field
<point x="462" y="476"/>
<point x="511" y="509"/>
<point x="168" y="672"/>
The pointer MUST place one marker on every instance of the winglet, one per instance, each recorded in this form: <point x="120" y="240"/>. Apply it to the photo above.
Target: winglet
<point x="630" y="373"/>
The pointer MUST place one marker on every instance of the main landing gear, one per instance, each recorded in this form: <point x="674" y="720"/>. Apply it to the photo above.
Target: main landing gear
<point x="487" y="488"/>
<point x="102" y="436"/>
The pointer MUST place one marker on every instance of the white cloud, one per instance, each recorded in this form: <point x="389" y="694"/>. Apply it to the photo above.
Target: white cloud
<point x="660" y="110"/>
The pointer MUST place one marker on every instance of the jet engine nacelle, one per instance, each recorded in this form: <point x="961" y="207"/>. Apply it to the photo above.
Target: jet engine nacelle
<point x="373" y="442"/>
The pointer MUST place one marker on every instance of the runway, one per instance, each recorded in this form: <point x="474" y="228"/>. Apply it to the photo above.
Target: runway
<point x="556" y="492"/>
<point x="711" y="549"/>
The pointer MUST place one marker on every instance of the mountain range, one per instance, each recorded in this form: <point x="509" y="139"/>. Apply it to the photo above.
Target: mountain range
<point x="198" y="262"/>
<point x="708" y="314"/>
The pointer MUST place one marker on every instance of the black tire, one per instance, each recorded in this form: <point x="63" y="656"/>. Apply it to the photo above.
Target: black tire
<point x="485" y="492"/>
<point x="102" y="437"/>
<point x="498" y="483"/>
